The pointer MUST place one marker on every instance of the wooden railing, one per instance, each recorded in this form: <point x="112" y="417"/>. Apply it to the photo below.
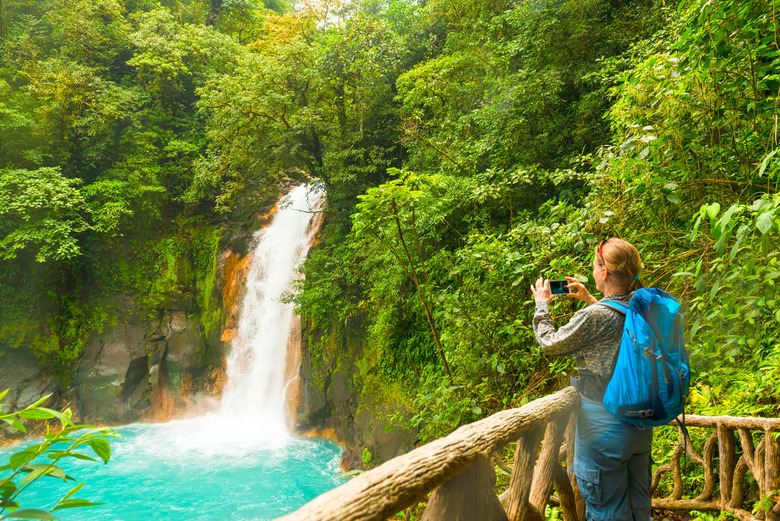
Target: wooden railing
<point x="725" y="468"/>
<point x="458" y="473"/>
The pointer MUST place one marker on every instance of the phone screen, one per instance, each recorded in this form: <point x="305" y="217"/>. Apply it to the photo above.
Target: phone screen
<point x="558" y="287"/>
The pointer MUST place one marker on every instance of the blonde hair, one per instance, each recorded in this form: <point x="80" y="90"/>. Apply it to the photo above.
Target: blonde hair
<point x="622" y="261"/>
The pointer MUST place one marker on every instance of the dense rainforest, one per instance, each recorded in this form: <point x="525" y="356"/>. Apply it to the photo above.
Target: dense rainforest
<point x="466" y="148"/>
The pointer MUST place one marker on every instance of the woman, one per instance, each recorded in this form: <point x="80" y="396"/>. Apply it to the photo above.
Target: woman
<point x="612" y="458"/>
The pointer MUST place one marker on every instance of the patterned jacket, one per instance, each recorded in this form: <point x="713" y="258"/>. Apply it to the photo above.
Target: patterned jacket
<point x="592" y="338"/>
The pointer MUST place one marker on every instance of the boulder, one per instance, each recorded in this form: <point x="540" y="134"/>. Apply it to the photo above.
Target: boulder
<point x="21" y="374"/>
<point x="134" y="360"/>
<point x="100" y="382"/>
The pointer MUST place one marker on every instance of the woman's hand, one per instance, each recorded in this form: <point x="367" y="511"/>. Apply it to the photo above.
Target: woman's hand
<point x="541" y="290"/>
<point x="578" y="290"/>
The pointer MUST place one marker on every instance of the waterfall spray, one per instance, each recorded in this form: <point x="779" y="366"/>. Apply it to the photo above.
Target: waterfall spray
<point x="255" y="390"/>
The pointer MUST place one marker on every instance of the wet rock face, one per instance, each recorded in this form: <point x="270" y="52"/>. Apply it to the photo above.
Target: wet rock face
<point x="332" y="399"/>
<point x="135" y="368"/>
<point x="20" y="373"/>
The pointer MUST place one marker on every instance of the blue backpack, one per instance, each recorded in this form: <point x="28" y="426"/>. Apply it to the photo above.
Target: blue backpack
<point x="651" y="377"/>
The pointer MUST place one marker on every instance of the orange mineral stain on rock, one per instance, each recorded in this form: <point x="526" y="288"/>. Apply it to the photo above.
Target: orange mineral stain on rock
<point x="292" y="365"/>
<point x="235" y="272"/>
<point x="327" y="434"/>
<point x="163" y="404"/>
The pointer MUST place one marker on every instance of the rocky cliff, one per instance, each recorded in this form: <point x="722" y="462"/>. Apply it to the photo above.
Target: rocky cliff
<point x="334" y="401"/>
<point x="144" y="364"/>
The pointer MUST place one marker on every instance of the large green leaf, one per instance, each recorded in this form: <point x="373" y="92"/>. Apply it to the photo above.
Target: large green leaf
<point x="15" y="424"/>
<point x="73" y="490"/>
<point x="57" y="455"/>
<point x="21" y="458"/>
<point x="7" y="488"/>
<point x="36" y="414"/>
<point x="765" y="221"/>
<point x="36" y="471"/>
<point x="101" y="447"/>
<point x="63" y="416"/>
<point x="765" y="162"/>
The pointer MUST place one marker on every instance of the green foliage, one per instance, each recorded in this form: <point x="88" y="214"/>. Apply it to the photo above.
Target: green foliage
<point x="100" y="131"/>
<point x="695" y="163"/>
<point x="40" y="460"/>
<point x="41" y="210"/>
<point x="206" y="265"/>
<point x="734" y="307"/>
<point x="519" y="175"/>
<point x="173" y="59"/>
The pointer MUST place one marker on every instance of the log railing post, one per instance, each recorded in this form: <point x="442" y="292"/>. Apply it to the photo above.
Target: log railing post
<point x="516" y="497"/>
<point x="469" y="495"/>
<point x="548" y="460"/>
<point x="565" y="494"/>
<point x="571" y="433"/>
<point x="728" y="461"/>
<point x="772" y="471"/>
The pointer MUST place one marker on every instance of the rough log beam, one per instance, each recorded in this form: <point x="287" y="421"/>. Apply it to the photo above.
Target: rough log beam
<point x="397" y="484"/>
<point x="771" y="472"/>
<point x="709" y="467"/>
<point x="727" y="454"/>
<point x="693" y="504"/>
<point x="469" y="495"/>
<point x="548" y="460"/>
<point x="732" y="422"/>
<point x="571" y="433"/>
<point x="565" y="494"/>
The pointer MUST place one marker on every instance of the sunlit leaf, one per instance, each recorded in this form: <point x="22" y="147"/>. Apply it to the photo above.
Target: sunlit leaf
<point x="75" y="503"/>
<point x="101" y="447"/>
<point x="713" y="210"/>
<point x="765" y="162"/>
<point x="21" y="458"/>
<point x="62" y="454"/>
<point x="36" y="414"/>
<point x="15" y="424"/>
<point x="765" y="221"/>
<point x="28" y="513"/>
<point x="36" y="471"/>
<point x="74" y="490"/>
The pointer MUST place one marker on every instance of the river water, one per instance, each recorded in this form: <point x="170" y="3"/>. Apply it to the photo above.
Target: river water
<point x="236" y="464"/>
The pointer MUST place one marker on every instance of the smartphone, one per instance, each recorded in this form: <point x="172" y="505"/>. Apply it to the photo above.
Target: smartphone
<point x="558" y="287"/>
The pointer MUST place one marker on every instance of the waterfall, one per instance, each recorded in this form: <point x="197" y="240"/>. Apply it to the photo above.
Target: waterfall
<point x="240" y="463"/>
<point x="256" y="379"/>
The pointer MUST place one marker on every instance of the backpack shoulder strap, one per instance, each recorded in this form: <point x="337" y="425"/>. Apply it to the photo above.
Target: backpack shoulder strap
<point x="617" y="306"/>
